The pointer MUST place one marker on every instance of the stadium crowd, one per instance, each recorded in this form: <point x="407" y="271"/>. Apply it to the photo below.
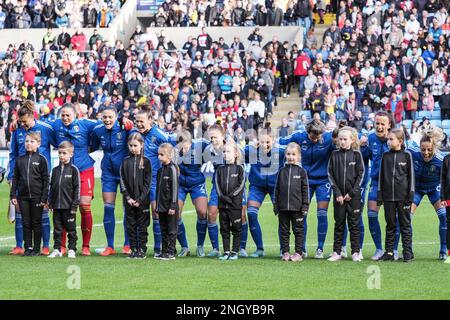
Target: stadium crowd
<point x="25" y="14"/>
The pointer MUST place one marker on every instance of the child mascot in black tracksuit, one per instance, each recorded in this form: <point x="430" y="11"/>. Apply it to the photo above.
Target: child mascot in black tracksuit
<point x="445" y="196"/>
<point x="64" y="199"/>
<point x="291" y="202"/>
<point x="230" y="183"/>
<point x="29" y="189"/>
<point x="396" y="192"/>
<point x="345" y="173"/>
<point x="167" y="200"/>
<point x="135" y="181"/>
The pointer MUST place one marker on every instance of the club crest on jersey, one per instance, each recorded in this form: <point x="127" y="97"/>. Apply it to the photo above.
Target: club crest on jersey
<point x="76" y="128"/>
<point x="153" y="139"/>
<point x="119" y="135"/>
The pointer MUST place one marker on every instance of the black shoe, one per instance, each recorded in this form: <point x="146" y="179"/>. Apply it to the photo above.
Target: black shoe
<point x="28" y="253"/>
<point x="35" y="253"/>
<point x="167" y="256"/>
<point x="157" y="254"/>
<point x="141" y="254"/>
<point x="408" y="257"/>
<point x="387" y="256"/>
<point x="132" y="255"/>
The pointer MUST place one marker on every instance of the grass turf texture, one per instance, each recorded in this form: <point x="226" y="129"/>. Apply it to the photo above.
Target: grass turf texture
<point x="207" y="278"/>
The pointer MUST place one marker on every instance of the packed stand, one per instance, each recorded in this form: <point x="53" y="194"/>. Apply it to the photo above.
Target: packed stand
<point x="16" y="14"/>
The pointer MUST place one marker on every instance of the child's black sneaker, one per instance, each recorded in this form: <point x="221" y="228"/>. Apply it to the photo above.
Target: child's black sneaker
<point x="387" y="256"/>
<point x="168" y="256"/>
<point x="141" y="254"/>
<point x="157" y="254"/>
<point x="132" y="255"/>
<point x="35" y="253"/>
<point x="408" y="257"/>
<point x="28" y="252"/>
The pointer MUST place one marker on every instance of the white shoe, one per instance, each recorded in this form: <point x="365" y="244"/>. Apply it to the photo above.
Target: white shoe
<point x="55" y="254"/>
<point x="356" y="257"/>
<point x="344" y="252"/>
<point x="304" y="254"/>
<point x="319" y="254"/>
<point x="71" y="254"/>
<point x="243" y="253"/>
<point x="378" y="254"/>
<point x="396" y="256"/>
<point x="361" y="255"/>
<point x="334" y="257"/>
<point x="284" y="95"/>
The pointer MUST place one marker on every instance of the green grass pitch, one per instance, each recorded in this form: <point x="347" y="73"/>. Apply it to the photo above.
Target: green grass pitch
<point x="205" y="278"/>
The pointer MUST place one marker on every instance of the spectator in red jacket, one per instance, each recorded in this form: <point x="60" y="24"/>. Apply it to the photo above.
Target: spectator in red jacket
<point x="301" y="65"/>
<point x="78" y="40"/>
<point x="395" y="105"/>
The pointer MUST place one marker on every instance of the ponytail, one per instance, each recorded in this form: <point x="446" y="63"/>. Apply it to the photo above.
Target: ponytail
<point x="435" y="136"/>
<point x="26" y="109"/>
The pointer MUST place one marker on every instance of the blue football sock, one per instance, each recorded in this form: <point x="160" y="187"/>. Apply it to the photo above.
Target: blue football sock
<point x="18" y="228"/>
<point x="375" y="229"/>
<point x="255" y="228"/>
<point x="181" y="234"/>
<point x="322" y="227"/>
<point x="126" y="241"/>
<point x="361" y="232"/>
<point x="397" y="233"/>
<point x="213" y="231"/>
<point x="344" y="239"/>
<point x="157" y="235"/>
<point x="109" y="223"/>
<point x="442" y="229"/>
<point x="202" y="225"/>
<point x="45" y="229"/>
<point x="244" y="235"/>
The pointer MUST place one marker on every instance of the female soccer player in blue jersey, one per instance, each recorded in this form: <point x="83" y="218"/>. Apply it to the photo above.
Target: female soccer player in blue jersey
<point x="112" y="138"/>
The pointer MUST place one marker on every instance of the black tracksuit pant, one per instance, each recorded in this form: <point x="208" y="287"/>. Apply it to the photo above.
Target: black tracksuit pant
<point x="32" y="223"/>
<point x="349" y="212"/>
<point x="63" y="219"/>
<point x="230" y="223"/>
<point x="391" y="210"/>
<point x="169" y="229"/>
<point x="296" y="219"/>
<point x="448" y="227"/>
<point x="137" y="222"/>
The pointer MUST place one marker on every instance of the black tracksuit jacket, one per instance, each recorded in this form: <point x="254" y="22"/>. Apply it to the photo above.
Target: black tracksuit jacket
<point x="230" y="184"/>
<point x="167" y="188"/>
<point x="346" y="172"/>
<point x="65" y="188"/>
<point x="445" y="179"/>
<point x="396" y="179"/>
<point x="135" y="182"/>
<point x="31" y="178"/>
<point x="291" y="189"/>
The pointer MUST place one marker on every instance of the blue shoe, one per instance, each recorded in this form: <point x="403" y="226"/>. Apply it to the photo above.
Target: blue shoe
<point x="184" y="252"/>
<point x="258" y="254"/>
<point x="233" y="256"/>
<point x="214" y="253"/>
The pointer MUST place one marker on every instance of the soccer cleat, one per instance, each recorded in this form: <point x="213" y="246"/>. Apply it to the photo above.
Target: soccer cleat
<point x="243" y="253"/>
<point x="356" y="257"/>
<point x="184" y="252"/>
<point x="447" y="260"/>
<point x="225" y="256"/>
<point x="396" y="256"/>
<point x="378" y="254"/>
<point x="126" y="250"/>
<point x="107" y="252"/>
<point x="258" y="254"/>
<point x="286" y="256"/>
<point x="214" y="253"/>
<point x="85" y="251"/>
<point x="157" y="254"/>
<point x="45" y="251"/>
<point x="28" y="253"/>
<point x="296" y="257"/>
<point x="55" y="254"/>
<point x="71" y="254"/>
<point x="63" y="251"/>
<point x="319" y="254"/>
<point x="304" y="254"/>
<point x="344" y="252"/>
<point x="200" y="251"/>
<point x="442" y="256"/>
<point x="233" y="256"/>
<point x="335" y="257"/>
<point x="17" y="251"/>
<point x="387" y="256"/>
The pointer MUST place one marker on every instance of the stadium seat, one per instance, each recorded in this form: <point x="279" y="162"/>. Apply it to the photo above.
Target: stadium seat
<point x="407" y="123"/>
<point x="436" y="123"/>
<point x="447" y="132"/>
<point x="445" y="124"/>
<point x="436" y="115"/>
<point x="422" y="114"/>
<point x="436" y="106"/>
